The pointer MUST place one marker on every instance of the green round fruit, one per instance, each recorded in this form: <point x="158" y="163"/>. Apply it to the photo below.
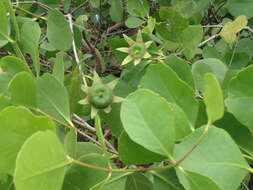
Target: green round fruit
<point x="100" y="96"/>
<point x="137" y="50"/>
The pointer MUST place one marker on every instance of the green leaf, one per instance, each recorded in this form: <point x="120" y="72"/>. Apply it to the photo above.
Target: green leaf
<point x="210" y="65"/>
<point x="213" y="98"/>
<point x="13" y="65"/>
<point x="40" y="163"/>
<point x="243" y="7"/>
<point x="58" y="70"/>
<point x="129" y="149"/>
<point x="84" y="178"/>
<point x="197" y="182"/>
<point x="181" y="67"/>
<point x="134" y="22"/>
<point x="58" y="31"/>
<point x="4" y="102"/>
<point x="146" y="126"/>
<point x="166" y="179"/>
<point x="138" y="181"/>
<point x="238" y="132"/>
<point x="70" y="143"/>
<point x="4" y="24"/>
<point x="191" y="37"/>
<point x="161" y="79"/>
<point x="30" y="36"/>
<point x="23" y="89"/>
<point x="138" y="8"/>
<point x="230" y="30"/>
<point x="13" y="134"/>
<point x="95" y="3"/>
<point x="216" y="152"/>
<point x="52" y="98"/>
<point x="117" y="184"/>
<point x="176" y="22"/>
<point x="50" y="3"/>
<point x="240" y="96"/>
<point x="84" y="148"/>
<point x="116" y="10"/>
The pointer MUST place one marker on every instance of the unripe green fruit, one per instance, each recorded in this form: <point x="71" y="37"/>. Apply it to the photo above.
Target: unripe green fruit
<point x="137" y="50"/>
<point x="100" y="96"/>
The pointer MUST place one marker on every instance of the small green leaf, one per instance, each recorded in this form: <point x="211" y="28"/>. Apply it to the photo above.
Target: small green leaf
<point x="13" y="134"/>
<point x="230" y="30"/>
<point x="146" y="126"/>
<point x="138" y="181"/>
<point x="23" y="89"/>
<point x="58" y="31"/>
<point x="134" y="22"/>
<point x="41" y="163"/>
<point x="237" y="8"/>
<point x="213" y="98"/>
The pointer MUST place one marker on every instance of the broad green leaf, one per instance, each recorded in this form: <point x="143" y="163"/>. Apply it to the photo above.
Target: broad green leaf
<point x="152" y="129"/>
<point x="240" y="7"/>
<point x="70" y="143"/>
<point x="116" y="10"/>
<point x="18" y="124"/>
<point x="41" y="163"/>
<point x="210" y="65"/>
<point x="84" y="178"/>
<point x="138" y="181"/>
<point x="52" y="98"/>
<point x="58" y="31"/>
<point x="134" y="22"/>
<point x="181" y="67"/>
<point x="58" y="70"/>
<point x="241" y="134"/>
<point x="84" y="148"/>
<point x="150" y="26"/>
<point x="230" y="30"/>
<point x="138" y="7"/>
<point x="213" y="98"/>
<point x="6" y="182"/>
<point x="13" y="65"/>
<point x="30" y="35"/>
<point x="4" y="24"/>
<point x="215" y="152"/>
<point x="161" y="79"/>
<point x="129" y="149"/>
<point x="23" y="89"/>
<point x="191" y="37"/>
<point x="240" y="96"/>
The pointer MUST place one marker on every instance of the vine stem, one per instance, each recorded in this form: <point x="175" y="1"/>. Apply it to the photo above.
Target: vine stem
<point x="112" y="170"/>
<point x="99" y="132"/>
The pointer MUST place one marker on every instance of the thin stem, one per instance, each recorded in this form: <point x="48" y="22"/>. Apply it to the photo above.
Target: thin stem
<point x="111" y="170"/>
<point x="208" y="40"/>
<point x="34" y="2"/>
<point x="78" y="7"/>
<point x="99" y="132"/>
<point x="30" y="13"/>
